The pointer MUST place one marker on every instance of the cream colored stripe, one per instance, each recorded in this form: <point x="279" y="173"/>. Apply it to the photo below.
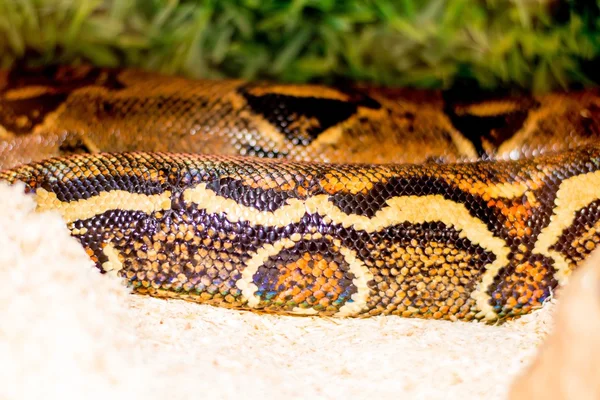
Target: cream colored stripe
<point x="208" y="200"/>
<point x="413" y="209"/>
<point x="246" y="282"/>
<point x="114" y="264"/>
<point x="307" y="90"/>
<point x="25" y="93"/>
<point x="362" y="276"/>
<point x="105" y="201"/>
<point x="573" y="194"/>
<point x="465" y="146"/>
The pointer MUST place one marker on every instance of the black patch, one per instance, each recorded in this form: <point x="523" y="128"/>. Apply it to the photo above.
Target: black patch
<point x="78" y="189"/>
<point x="591" y="69"/>
<point x="21" y="116"/>
<point x="495" y="130"/>
<point x="50" y="178"/>
<point x="584" y="219"/>
<point x="487" y="131"/>
<point x="63" y="79"/>
<point x="258" y="198"/>
<point x="100" y="228"/>
<point x="287" y="113"/>
<point x="586" y="122"/>
<point x="74" y="145"/>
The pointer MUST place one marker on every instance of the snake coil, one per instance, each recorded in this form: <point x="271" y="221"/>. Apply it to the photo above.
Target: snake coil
<point x="360" y="201"/>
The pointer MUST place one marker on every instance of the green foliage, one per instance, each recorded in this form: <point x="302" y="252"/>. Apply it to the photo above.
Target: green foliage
<point x="426" y="43"/>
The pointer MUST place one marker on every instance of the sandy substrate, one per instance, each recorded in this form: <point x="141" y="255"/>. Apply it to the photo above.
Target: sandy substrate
<point x="68" y="331"/>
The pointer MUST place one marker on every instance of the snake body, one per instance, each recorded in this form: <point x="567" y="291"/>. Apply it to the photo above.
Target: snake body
<point x="362" y="201"/>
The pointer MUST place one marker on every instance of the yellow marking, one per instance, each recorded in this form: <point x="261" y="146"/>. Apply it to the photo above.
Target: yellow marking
<point x="531" y="199"/>
<point x="26" y="92"/>
<point x="4" y="133"/>
<point x="334" y="134"/>
<point x="362" y="276"/>
<point x="339" y="182"/>
<point x="81" y="231"/>
<point x="573" y="194"/>
<point x="317" y="91"/>
<point x="507" y="190"/>
<point x="114" y="264"/>
<point x="465" y="147"/>
<point x="489" y="108"/>
<point x="304" y="311"/>
<point x="413" y="209"/>
<point x="105" y="201"/>
<point x="89" y="144"/>
<point x="213" y="203"/>
<point x="21" y="121"/>
<point x="50" y="121"/>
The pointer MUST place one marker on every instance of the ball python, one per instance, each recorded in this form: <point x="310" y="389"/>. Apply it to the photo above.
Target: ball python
<point x="359" y="201"/>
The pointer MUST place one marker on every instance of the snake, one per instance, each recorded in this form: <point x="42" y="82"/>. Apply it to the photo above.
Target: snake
<point x="346" y="200"/>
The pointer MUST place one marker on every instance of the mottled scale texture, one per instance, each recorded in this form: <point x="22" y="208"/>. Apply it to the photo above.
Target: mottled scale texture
<point x="56" y="111"/>
<point x="434" y="241"/>
<point x="312" y="200"/>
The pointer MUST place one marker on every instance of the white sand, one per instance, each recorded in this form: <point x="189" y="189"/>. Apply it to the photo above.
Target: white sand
<point x="66" y="330"/>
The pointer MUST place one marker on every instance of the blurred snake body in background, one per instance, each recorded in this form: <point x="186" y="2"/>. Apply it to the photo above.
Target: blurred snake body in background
<point x="311" y="200"/>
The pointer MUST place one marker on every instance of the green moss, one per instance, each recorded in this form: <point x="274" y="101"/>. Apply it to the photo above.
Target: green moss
<point x="427" y="43"/>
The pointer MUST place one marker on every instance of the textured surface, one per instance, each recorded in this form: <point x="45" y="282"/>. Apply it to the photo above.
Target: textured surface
<point x="70" y="328"/>
<point x="488" y="239"/>
<point x="55" y="111"/>
<point x="476" y="240"/>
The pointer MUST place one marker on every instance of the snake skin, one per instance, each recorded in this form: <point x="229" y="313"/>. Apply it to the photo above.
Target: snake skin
<point x="482" y="208"/>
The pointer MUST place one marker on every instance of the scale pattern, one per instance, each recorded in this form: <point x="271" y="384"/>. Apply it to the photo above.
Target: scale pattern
<point x="486" y="240"/>
<point x="463" y="207"/>
<point x="61" y="110"/>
